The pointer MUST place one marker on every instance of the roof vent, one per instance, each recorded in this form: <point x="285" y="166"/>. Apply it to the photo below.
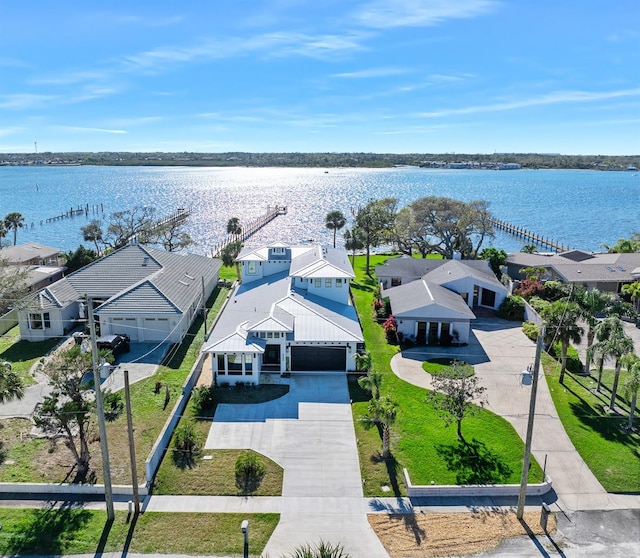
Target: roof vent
<point x="145" y="261"/>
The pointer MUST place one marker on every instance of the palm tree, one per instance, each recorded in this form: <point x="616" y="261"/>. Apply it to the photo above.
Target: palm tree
<point x="382" y="412"/>
<point x="14" y="221"/>
<point x="631" y="385"/>
<point x="334" y="221"/>
<point x="633" y="290"/>
<point x="233" y="227"/>
<point x="614" y="343"/>
<point x="363" y="361"/>
<point x="592" y="303"/>
<point x="354" y="239"/>
<point x="372" y="382"/>
<point x="561" y="323"/>
<point x="10" y="385"/>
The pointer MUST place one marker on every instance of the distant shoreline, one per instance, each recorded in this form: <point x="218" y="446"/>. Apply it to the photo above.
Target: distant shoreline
<point x="626" y="163"/>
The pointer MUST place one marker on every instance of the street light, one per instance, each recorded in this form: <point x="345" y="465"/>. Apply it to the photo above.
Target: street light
<point x="245" y="533"/>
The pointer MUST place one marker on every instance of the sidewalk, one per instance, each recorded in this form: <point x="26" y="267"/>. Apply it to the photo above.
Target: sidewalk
<point x="500" y="352"/>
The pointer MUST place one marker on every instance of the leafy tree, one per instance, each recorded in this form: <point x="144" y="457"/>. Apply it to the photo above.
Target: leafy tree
<point x="15" y="221"/>
<point x="172" y="236"/>
<point x="10" y="384"/>
<point x="497" y="258"/>
<point x="334" y="221"/>
<point x="561" y="322"/>
<point x="3" y="231"/>
<point x="13" y="284"/>
<point x="233" y="227"/>
<point x="376" y="220"/>
<point x="612" y="342"/>
<point x="625" y="245"/>
<point x="455" y="391"/>
<point x="69" y="409"/>
<point x="631" y="385"/>
<point x="445" y="226"/>
<point x="354" y="240"/>
<point x="123" y="225"/>
<point x="79" y="258"/>
<point x="229" y="256"/>
<point x="93" y="233"/>
<point x="382" y="413"/>
<point x="372" y="382"/>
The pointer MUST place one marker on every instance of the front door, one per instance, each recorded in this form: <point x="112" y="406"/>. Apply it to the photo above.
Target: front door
<point x="421" y="334"/>
<point x="271" y="358"/>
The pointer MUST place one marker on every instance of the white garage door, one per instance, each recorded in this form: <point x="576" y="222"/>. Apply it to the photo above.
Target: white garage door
<point x="125" y="325"/>
<point x="156" y="329"/>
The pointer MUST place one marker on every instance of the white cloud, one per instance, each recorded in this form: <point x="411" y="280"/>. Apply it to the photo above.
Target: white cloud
<point x="382" y="14"/>
<point x="88" y="130"/>
<point x="372" y="73"/>
<point x="24" y="100"/>
<point x="550" y="99"/>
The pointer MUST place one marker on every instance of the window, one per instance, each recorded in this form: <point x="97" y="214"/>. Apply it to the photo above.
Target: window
<point x="327" y="283"/>
<point x="40" y="321"/>
<point x="270" y="335"/>
<point x="251" y="268"/>
<point x="221" y="364"/>
<point x="395" y="281"/>
<point x="339" y="282"/>
<point x="317" y="283"/>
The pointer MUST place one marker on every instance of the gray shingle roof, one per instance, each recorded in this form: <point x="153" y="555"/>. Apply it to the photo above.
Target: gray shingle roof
<point x="421" y="299"/>
<point x="25" y="252"/>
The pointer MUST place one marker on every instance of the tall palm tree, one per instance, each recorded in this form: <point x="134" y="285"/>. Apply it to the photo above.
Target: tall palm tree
<point x="561" y="323"/>
<point x="613" y="343"/>
<point x="233" y="227"/>
<point x="592" y="303"/>
<point x="334" y="221"/>
<point x="10" y="385"/>
<point x="372" y="382"/>
<point x="382" y="412"/>
<point x="631" y="385"/>
<point x="14" y="221"/>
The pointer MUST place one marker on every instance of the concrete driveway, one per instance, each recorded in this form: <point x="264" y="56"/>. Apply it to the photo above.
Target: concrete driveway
<point x="500" y="352"/>
<point x="310" y="433"/>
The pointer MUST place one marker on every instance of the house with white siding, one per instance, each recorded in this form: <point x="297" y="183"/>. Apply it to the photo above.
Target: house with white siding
<point x="151" y="295"/>
<point x="432" y="301"/>
<point x="292" y="313"/>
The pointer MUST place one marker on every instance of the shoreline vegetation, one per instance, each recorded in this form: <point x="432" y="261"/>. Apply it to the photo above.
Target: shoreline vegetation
<point x="326" y="160"/>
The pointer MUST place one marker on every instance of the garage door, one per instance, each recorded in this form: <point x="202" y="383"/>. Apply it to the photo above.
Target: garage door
<point x="125" y="325"/>
<point x="156" y="329"/>
<point x="318" y="358"/>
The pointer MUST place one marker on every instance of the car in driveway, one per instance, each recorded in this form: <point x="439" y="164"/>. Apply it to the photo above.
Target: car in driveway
<point x="117" y="343"/>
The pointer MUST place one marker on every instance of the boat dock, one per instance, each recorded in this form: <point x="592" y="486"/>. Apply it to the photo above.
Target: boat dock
<point x="528" y="235"/>
<point x="175" y="218"/>
<point x="85" y="210"/>
<point x="249" y="229"/>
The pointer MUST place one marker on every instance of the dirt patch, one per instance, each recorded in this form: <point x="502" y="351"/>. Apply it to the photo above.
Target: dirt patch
<point x="451" y="534"/>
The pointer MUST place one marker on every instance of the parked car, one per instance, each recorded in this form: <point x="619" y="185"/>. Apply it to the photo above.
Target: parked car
<point x="118" y="343"/>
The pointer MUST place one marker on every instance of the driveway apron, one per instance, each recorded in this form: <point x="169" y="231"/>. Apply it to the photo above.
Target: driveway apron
<point x="309" y="432"/>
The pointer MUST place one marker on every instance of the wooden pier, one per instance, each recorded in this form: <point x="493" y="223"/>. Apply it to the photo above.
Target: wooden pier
<point x="249" y="229"/>
<point x="528" y="235"/>
<point x="85" y="210"/>
<point x="175" y="218"/>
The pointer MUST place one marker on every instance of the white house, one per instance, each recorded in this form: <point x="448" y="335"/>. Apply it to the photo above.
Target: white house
<point x="291" y="313"/>
<point x="149" y="294"/>
<point x="436" y="307"/>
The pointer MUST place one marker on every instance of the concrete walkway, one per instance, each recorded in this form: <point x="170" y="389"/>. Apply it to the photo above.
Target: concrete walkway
<point x="500" y="352"/>
<point x="310" y="433"/>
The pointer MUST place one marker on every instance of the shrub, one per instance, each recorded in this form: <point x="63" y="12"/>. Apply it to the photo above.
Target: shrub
<point x="249" y="471"/>
<point x="531" y="330"/>
<point x="512" y="308"/>
<point x="185" y="440"/>
<point x="554" y="290"/>
<point x="202" y="399"/>
<point x="391" y="330"/>
<point x="321" y="550"/>
<point x="529" y="288"/>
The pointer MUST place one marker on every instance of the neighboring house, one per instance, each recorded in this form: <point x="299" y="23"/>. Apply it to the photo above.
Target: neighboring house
<point x="602" y="271"/>
<point x="42" y="262"/>
<point x="437" y="306"/>
<point x="291" y="313"/>
<point x="149" y="294"/>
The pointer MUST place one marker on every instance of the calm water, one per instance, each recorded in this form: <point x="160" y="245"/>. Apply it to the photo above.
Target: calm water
<point x="578" y="208"/>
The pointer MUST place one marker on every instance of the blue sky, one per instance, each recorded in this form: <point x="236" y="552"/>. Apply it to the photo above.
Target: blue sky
<point x="398" y="76"/>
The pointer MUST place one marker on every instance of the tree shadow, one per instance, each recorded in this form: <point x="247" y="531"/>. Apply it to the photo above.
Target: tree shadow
<point x="474" y="463"/>
<point x="184" y="460"/>
<point x="610" y="427"/>
<point x="410" y="524"/>
<point x="393" y="470"/>
<point x="46" y="530"/>
<point x="248" y="484"/>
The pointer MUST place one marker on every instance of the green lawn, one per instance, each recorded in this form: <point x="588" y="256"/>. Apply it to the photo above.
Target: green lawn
<point x="23" y="354"/>
<point x="420" y="440"/>
<point x="78" y="531"/>
<point x="612" y="453"/>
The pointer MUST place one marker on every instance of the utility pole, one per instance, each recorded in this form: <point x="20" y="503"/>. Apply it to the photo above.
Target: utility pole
<point x="104" y="447"/>
<point x="132" y="448"/>
<point x="532" y="411"/>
